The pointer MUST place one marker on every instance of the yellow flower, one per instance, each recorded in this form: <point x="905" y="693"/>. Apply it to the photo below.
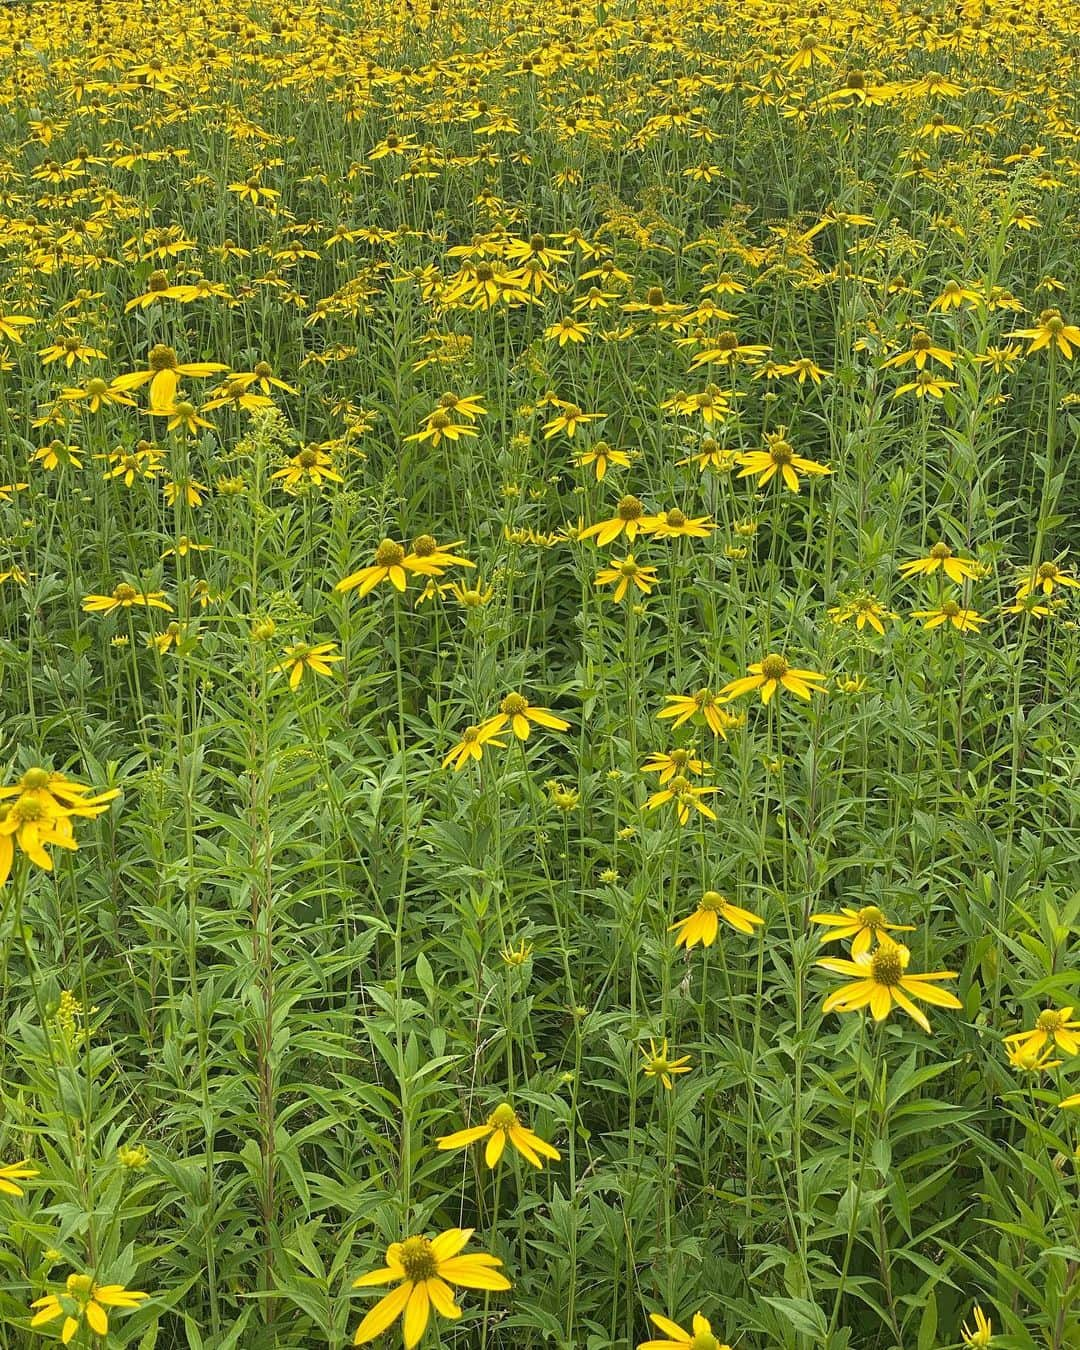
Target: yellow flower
<point x="774" y="673"/>
<point x="864" y="609"/>
<point x="865" y="926"/>
<point x="669" y="763"/>
<point x="424" y="1269"/>
<point x="602" y="456"/>
<point x="431" y="559"/>
<point x="501" y="1127"/>
<point x="12" y="1173"/>
<point x="881" y="981"/>
<point x="471" y="745"/>
<point x="624" y="572"/>
<point x="926" y="383"/>
<point x="83" y="1298"/>
<point x="310" y="465"/>
<point x="703" y="925"/>
<point x="674" y="524"/>
<point x="124" y="597"/>
<point x="658" y="1065"/>
<point x="629" y="517"/>
<point x="1051" y="331"/>
<point x="522" y="716"/>
<point x="963" y="620"/>
<point x="921" y="350"/>
<point x="163" y="373"/>
<point x="701" y="1338"/>
<point x="1044" y="578"/>
<point x="779" y="458"/>
<point x="1053" y="1026"/>
<point x="983" y="1333"/>
<point x="685" y="797"/>
<point x="682" y="707"/>
<point x="301" y="656"/>
<point x="941" y="555"/>
<point x="391" y="563"/>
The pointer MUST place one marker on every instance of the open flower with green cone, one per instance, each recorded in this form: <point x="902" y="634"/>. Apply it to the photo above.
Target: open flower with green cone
<point x="704" y="924"/>
<point x="701" y="1338"/>
<point x="503" y="1126"/>
<point x="880" y="981"/>
<point x="864" y="926"/>
<point x="424" y="1269"/>
<point x="81" y="1300"/>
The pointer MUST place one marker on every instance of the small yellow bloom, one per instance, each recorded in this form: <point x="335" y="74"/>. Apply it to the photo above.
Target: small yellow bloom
<point x="704" y="924"/>
<point x="657" y="1064"/>
<point x="503" y="1126"/>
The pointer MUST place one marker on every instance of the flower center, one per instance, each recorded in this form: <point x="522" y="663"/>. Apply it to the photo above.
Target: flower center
<point x="654" y="296"/>
<point x="27" y="809"/>
<point x="389" y="554"/>
<point x="424" y="545"/>
<point x="308" y="458"/>
<point x="871" y="917"/>
<point x="34" y="779"/>
<point x="782" y="452"/>
<point x="679" y="758"/>
<point x="537" y="243"/>
<point x="1050" y="1020"/>
<point x="80" y="1287"/>
<point x="159" y="281"/>
<point x="887" y="966"/>
<point x="184" y="410"/>
<point x="941" y="552"/>
<point x="124" y="592"/>
<point x="162" y="357"/>
<point x="418" y="1259"/>
<point x="513" y="705"/>
<point x="503" y="1117"/>
<point x="675" y="518"/>
<point x="727" y="342"/>
<point x="263" y="370"/>
<point x="484" y="272"/>
<point x="630" y="508"/>
<point x="628" y="568"/>
<point x="96" y="387"/>
<point x="774" y="667"/>
<point x="950" y="609"/>
<point x="441" y="420"/>
<point x="679" y="784"/>
<point x="712" y="900"/>
<point x="1047" y="571"/>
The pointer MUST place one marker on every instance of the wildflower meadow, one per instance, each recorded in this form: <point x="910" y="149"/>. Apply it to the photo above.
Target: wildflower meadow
<point x="539" y="584"/>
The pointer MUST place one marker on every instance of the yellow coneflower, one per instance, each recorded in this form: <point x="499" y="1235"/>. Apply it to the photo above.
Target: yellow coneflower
<point x="657" y="1064"/>
<point x="774" y="673"/>
<point x="624" y="572"/>
<point x="941" y="556"/>
<point x="629" y="518"/>
<point x="701" y="1338"/>
<point x="391" y="564"/>
<point x="778" y="459"/>
<point x="704" y="924"/>
<point x="865" y="926"/>
<point x="522" y="716"/>
<point x="302" y="656"/>
<point x="1053" y="1026"/>
<point x="880" y="981"/>
<point x="423" y="1270"/>
<point x="503" y="1126"/>
<point x="668" y="763"/>
<point x="471" y="745"/>
<point x="703" y="703"/>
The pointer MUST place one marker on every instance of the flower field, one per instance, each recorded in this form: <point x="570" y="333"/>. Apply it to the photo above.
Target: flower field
<point x="539" y="582"/>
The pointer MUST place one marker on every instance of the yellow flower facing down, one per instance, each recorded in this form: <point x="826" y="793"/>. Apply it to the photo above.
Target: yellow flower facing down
<point x="671" y="762"/>
<point x="522" y="716"/>
<point x="624" y="573"/>
<point x="391" y="564"/>
<point x="981" y="1335"/>
<point x="629" y="518"/>
<point x="124" y="597"/>
<point x="40" y="816"/>
<point x="674" y="524"/>
<point x="13" y="1173"/>
<point x="657" y="1064"/>
<point x="310" y="465"/>
<point x="951" y="612"/>
<point x="602" y="456"/>
<point x="880" y="981"/>
<point x="865" y="926"/>
<point x="864" y="609"/>
<point x="942" y="556"/>
<point x="684" y="797"/>
<point x="1027" y="1060"/>
<point x="1053" y="1026"/>
<point x="1051" y="332"/>
<point x="424" y="1269"/>
<point x="704" y="924"/>
<point x="83" y="1299"/>
<point x="431" y="559"/>
<point x="701" y="1338"/>
<point x="163" y="374"/>
<point x="471" y="745"/>
<point x="302" y="656"/>
<point x="778" y="458"/>
<point x="503" y="1126"/>
<point x="1045" y="577"/>
<point x="774" y="673"/>
<point x="703" y="703"/>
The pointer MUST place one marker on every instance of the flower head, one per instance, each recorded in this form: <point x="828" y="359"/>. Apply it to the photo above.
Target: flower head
<point x="423" y="1270"/>
<point x="881" y="982"/>
<point x="503" y="1126"/>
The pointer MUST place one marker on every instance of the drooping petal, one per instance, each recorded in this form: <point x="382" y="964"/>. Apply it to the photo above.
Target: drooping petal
<point x="387" y="1310"/>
